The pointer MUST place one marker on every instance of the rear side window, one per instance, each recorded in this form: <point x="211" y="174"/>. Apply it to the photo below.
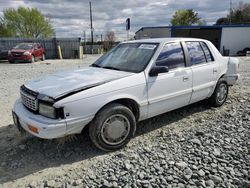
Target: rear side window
<point x="207" y="52"/>
<point x="196" y="53"/>
<point x="171" y="56"/>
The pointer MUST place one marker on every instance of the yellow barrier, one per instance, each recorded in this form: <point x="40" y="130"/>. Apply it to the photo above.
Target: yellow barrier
<point x="80" y="52"/>
<point x="59" y="52"/>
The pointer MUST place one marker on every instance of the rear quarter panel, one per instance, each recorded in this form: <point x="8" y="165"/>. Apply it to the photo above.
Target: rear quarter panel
<point x="222" y="62"/>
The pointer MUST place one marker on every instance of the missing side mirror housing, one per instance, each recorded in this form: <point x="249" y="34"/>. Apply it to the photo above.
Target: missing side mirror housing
<point x="157" y="70"/>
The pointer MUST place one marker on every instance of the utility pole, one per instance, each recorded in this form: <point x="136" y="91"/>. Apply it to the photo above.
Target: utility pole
<point x="85" y="49"/>
<point x="91" y="27"/>
<point x="230" y="13"/>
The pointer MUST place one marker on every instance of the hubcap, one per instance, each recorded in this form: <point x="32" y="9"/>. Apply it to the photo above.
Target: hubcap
<point x="115" y="129"/>
<point x="222" y="93"/>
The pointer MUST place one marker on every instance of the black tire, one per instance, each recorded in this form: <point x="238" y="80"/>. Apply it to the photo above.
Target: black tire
<point x="220" y="94"/>
<point x="11" y="61"/>
<point x="99" y="125"/>
<point x="43" y="57"/>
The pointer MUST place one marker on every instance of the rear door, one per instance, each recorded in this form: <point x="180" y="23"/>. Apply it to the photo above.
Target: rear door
<point x="171" y="90"/>
<point x="204" y="69"/>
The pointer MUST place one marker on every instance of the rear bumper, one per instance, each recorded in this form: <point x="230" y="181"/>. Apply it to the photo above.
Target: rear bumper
<point x="231" y="79"/>
<point x="46" y="128"/>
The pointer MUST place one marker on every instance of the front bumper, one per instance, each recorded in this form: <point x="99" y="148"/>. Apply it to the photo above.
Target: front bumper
<point x="47" y="128"/>
<point x="22" y="58"/>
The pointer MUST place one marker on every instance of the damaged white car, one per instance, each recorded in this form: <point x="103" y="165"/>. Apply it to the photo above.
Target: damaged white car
<point x="134" y="81"/>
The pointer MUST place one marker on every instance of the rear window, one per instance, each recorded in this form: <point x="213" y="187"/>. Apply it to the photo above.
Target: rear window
<point x="196" y="53"/>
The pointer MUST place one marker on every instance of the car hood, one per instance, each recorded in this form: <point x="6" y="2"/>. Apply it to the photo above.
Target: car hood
<point x="18" y="50"/>
<point x="59" y="84"/>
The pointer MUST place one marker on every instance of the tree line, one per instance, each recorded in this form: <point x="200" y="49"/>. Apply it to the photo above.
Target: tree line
<point x="238" y="15"/>
<point x="25" y="22"/>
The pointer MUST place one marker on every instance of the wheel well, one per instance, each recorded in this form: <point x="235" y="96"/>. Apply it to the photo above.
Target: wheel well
<point x="224" y="78"/>
<point x="130" y="103"/>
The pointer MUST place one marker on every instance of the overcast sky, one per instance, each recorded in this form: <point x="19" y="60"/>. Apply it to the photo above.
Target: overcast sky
<point x="71" y="17"/>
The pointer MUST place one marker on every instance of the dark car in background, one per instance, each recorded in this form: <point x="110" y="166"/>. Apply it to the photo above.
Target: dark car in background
<point x="26" y="52"/>
<point x="3" y="53"/>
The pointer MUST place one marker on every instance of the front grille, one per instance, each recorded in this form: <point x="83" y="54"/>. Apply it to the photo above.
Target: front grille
<point x="17" y="54"/>
<point x="29" y="98"/>
<point x="28" y="91"/>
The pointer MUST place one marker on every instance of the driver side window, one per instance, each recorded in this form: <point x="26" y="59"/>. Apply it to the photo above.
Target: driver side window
<point x="171" y="56"/>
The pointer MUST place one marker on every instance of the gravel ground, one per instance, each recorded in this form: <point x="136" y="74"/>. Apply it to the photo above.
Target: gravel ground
<point x="195" y="146"/>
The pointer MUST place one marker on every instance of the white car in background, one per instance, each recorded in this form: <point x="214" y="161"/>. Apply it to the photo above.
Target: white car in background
<point x="134" y="81"/>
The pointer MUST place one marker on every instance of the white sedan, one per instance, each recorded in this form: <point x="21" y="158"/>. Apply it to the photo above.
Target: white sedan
<point x="134" y="81"/>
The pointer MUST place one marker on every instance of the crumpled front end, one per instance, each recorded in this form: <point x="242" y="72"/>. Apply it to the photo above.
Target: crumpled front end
<point x="36" y="124"/>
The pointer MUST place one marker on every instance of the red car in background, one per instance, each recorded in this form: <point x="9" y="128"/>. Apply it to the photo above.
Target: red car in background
<point x="26" y="52"/>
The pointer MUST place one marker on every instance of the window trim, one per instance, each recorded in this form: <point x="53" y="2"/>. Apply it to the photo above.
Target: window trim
<point x="184" y="55"/>
<point x="212" y="57"/>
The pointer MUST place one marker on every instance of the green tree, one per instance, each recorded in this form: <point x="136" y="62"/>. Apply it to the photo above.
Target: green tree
<point x="238" y="15"/>
<point x="4" y="31"/>
<point x="27" y="22"/>
<point x="185" y="17"/>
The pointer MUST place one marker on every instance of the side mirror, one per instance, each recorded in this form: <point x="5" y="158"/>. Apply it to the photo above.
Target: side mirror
<point x="157" y="70"/>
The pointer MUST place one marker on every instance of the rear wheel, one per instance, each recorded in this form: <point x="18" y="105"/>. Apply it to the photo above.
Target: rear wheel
<point x="220" y="94"/>
<point x="113" y="127"/>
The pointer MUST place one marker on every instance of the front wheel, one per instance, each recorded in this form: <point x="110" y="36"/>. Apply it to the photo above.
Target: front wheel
<point x="220" y="94"/>
<point x="43" y="57"/>
<point x="113" y="127"/>
<point x="32" y="59"/>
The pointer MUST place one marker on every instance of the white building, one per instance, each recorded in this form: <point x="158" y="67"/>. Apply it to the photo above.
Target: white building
<point x="227" y="38"/>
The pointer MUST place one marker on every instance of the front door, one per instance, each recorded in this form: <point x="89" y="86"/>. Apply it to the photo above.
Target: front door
<point x="36" y="51"/>
<point x="171" y="90"/>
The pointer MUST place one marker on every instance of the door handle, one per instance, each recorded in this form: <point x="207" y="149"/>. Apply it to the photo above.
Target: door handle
<point x="185" y="78"/>
<point x="215" y="71"/>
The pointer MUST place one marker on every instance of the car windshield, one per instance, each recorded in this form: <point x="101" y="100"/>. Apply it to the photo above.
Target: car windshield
<point x="23" y="46"/>
<point x="130" y="57"/>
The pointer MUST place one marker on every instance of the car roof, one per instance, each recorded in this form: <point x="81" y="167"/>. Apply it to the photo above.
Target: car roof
<point x="164" y="40"/>
<point x="28" y="43"/>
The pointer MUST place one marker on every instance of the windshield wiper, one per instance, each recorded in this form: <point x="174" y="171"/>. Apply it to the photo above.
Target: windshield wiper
<point x="109" y="67"/>
<point x="95" y="65"/>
